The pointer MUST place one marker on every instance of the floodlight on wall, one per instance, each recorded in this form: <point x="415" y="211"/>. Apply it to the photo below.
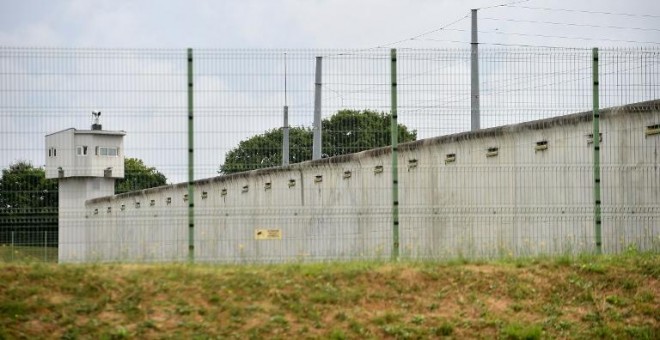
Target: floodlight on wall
<point x="541" y="145"/>
<point x="652" y="130"/>
<point x="492" y="152"/>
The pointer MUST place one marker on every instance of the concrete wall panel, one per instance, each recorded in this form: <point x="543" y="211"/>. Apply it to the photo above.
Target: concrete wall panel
<point x="524" y="201"/>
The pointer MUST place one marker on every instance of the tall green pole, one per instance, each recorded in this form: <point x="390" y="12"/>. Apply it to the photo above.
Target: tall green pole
<point x="395" y="162"/>
<point x="596" y="139"/>
<point x="191" y="159"/>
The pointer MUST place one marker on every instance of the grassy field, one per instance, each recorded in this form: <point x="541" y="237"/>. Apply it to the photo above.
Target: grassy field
<point x="585" y="297"/>
<point x="9" y="253"/>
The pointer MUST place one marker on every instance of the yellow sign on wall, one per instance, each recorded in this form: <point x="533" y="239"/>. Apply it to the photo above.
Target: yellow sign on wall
<point x="268" y="234"/>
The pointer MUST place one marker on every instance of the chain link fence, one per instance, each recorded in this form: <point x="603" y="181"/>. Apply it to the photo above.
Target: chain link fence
<point x="198" y="121"/>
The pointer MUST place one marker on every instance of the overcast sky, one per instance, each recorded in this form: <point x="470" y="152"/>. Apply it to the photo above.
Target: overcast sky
<point x="281" y="25"/>
<point x="319" y="23"/>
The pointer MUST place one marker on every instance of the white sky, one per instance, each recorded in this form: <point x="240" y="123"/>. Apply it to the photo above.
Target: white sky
<point x="311" y="23"/>
<point x="281" y="25"/>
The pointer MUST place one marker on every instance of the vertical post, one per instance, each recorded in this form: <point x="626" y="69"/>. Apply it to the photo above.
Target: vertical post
<point x="191" y="159"/>
<point x="285" y="137"/>
<point x="12" y="246"/>
<point x="394" y="131"/>
<point x="474" y="76"/>
<point x="596" y="139"/>
<point x="316" y="147"/>
<point x="285" y="127"/>
<point x="45" y="246"/>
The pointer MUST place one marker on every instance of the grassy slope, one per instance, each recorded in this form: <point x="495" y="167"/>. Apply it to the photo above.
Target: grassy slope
<point x="559" y="297"/>
<point x="10" y="253"/>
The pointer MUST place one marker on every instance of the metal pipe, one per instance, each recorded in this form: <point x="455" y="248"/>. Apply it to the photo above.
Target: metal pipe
<point x="191" y="160"/>
<point x="596" y="139"/>
<point x="394" y="130"/>
<point x="285" y="137"/>
<point x="316" y="146"/>
<point x="285" y="126"/>
<point x="475" y="116"/>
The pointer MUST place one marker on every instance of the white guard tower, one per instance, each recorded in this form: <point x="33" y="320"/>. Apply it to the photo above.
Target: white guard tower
<point x="86" y="162"/>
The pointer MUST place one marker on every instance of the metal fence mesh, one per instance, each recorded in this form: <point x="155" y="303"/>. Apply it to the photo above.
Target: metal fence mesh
<point x="522" y="189"/>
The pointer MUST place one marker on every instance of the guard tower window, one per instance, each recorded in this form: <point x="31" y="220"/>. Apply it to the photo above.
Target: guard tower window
<point x="106" y="151"/>
<point x="81" y="150"/>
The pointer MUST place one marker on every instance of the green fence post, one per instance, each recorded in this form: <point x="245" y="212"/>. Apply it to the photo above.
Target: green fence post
<point x="596" y="139"/>
<point x="395" y="162"/>
<point x="191" y="171"/>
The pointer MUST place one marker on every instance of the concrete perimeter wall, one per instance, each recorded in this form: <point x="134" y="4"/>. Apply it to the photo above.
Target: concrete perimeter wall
<point x="525" y="200"/>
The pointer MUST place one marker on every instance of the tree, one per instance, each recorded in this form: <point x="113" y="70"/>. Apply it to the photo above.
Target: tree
<point x="138" y="176"/>
<point x="350" y="131"/>
<point x="23" y="186"/>
<point x="265" y="150"/>
<point x="28" y="202"/>
<point x="347" y="131"/>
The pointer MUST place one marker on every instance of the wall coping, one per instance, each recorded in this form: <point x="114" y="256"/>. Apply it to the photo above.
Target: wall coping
<point x="540" y="124"/>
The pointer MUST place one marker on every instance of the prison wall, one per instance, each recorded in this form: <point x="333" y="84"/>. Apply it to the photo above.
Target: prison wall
<point x="515" y="190"/>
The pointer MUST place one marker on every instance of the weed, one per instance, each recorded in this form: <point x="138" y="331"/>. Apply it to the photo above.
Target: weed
<point x="417" y="319"/>
<point x="341" y="316"/>
<point x="640" y="333"/>
<point x="616" y="300"/>
<point x="516" y="307"/>
<point x="337" y="334"/>
<point x="69" y="334"/>
<point x="593" y="317"/>
<point x="120" y="332"/>
<point x="183" y="310"/>
<point x="645" y="296"/>
<point x="596" y="268"/>
<point x="149" y="324"/>
<point x="13" y="309"/>
<point x="326" y="294"/>
<point x="564" y="260"/>
<point x="445" y="329"/>
<point x="516" y="331"/>
<point x="279" y="320"/>
<point x="214" y="299"/>
<point x="357" y="328"/>
<point x="399" y="331"/>
<point x="387" y="318"/>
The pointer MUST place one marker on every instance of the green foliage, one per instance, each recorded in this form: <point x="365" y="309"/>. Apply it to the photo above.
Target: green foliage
<point x="445" y="329"/>
<point x="265" y="150"/>
<point x="348" y="131"/>
<point x="517" y="331"/>
<point x="138" y="176"/>
<point x="23" y="186"/>
<point x="29" y="202"/>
